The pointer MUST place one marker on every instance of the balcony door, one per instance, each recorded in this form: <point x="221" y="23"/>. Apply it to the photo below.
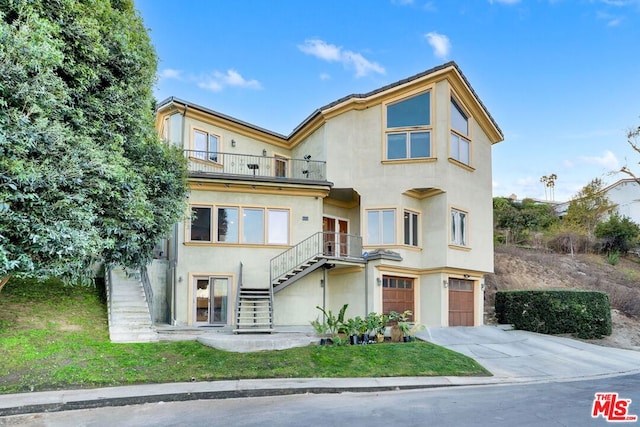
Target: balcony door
<point x="211" y="300"/>
<point x="335" y="236"/>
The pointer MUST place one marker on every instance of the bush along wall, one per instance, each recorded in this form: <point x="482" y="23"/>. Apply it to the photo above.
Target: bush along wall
<point x="585" y="314"/>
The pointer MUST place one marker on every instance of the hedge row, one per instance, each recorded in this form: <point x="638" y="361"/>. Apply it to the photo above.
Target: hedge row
<point x="586" y="314"/>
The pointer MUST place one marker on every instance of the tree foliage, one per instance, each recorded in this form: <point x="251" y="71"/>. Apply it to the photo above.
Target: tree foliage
<point x="519" y="219"/>
<point x="83" y="175"/>
<point x="617" y="234"/>
<point x="588" y="208"/>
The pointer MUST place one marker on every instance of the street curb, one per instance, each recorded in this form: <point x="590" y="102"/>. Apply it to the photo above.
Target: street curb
<point x="206" y="395"/>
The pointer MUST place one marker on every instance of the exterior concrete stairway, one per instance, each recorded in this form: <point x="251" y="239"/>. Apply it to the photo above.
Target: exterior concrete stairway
<point x="129" y="317"/>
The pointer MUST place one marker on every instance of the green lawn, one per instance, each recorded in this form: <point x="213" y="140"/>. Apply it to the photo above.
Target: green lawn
<point x="56" y="337"/>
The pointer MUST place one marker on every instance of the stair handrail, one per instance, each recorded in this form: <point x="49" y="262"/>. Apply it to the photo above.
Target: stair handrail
<point x="296" y="255"/>
<point x="238" y="290"/>
<point x="148" y="290"/>
<point x="313" y="246"/>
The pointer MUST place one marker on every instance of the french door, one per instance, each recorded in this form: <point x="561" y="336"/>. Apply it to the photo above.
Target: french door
<point x="211" y="300"/>
<point x="335" y="236"/>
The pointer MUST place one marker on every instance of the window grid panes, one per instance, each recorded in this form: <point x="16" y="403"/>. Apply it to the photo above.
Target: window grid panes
<point x="205" y="145"/>
<point x="200" y="230"/>
<point x="459" y="120"/>
<point x="278" y="227"/>
<point x="381" y="227"/>
<point x="408" y="128"/>
<point x="458" y="227"/>
<point x="237" y="225"/>
<point x="228" y="225"/>
<point x="253" y="226"/>
<point x="410" y="228"/>
<point x="459" y="148"/>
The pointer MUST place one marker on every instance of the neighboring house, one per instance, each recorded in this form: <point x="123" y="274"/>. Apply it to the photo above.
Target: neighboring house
<point x="380" y="200"/>
<point x="624" y="195"/>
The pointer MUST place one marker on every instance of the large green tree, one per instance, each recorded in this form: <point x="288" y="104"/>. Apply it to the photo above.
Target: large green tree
<point x="83" y="175"/>
<point x="589" y="207"/>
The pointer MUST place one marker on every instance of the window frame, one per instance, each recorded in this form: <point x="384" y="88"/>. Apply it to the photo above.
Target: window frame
<point x="458" y="138"/>
<point x="190" y="228"/>
<point x="237" y="227"/>
<point x="381" y="229"/>
<point x="414" y="228"/>
<point x="200" y="154"/>
<point x="407" y="131"/>
<point x="459" y="225"/>
<point x="266" y="236"/>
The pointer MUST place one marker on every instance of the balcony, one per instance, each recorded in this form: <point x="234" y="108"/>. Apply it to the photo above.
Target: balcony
<point x="262" y="168"/>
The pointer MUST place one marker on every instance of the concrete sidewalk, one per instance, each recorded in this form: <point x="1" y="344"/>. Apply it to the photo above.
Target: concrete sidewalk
<point x="512" y="356"/>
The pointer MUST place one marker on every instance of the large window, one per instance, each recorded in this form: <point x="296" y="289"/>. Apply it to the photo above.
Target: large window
<point x="460" y="142"/>
<point x="205" y="146"/>
<point x="278" y="227"/>
<point x="410" y="228"/>
<point x="239" y="225"/>
<point x="200" y="230"/>
<point x="458" y="227"/>
<point x="408" y="128"/>
<point x="253" y="226"/>
<point x="228" y="225"/>
<point x="381" y="227"/>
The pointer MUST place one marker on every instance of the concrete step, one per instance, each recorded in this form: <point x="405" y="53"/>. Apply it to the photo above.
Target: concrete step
<point x="129" y="318"/>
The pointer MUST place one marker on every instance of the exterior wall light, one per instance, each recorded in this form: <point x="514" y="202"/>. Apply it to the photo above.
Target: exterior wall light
<point x="264" y="152"/>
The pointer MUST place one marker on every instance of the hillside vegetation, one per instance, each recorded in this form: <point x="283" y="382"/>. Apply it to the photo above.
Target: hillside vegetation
<point x="519" y="268"/>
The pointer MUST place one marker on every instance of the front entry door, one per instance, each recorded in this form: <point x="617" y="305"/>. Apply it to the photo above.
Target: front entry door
<point x="212" y="300"/>
<point x="335" y="236"/>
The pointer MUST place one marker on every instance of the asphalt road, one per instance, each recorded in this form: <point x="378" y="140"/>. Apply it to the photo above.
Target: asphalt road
<point x="541" y="404"/>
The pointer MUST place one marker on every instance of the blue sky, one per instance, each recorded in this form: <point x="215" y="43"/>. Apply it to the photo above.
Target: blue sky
<point x="560" y="77"/>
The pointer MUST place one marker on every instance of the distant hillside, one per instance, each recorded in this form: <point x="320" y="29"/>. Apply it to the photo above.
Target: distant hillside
<point x="517" y="268"/>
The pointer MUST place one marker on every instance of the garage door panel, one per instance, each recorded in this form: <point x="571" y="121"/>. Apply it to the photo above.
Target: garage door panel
<point x="461" y="309"/>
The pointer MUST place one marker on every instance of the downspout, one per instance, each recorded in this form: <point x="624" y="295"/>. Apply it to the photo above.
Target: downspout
<point x="324" y="288"/>
<point x="366" y="289"/>
<point x="174" y="295"/>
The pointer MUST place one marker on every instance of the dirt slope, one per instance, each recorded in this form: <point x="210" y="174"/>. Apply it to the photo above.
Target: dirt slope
<point x="531" y="269"/>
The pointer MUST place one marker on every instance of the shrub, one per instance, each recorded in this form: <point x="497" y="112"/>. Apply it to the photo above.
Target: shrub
<point x="586" y="314"/>
<point x="618" y="234"/>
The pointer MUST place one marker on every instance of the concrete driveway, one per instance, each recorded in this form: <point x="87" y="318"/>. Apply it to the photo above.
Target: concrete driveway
<point x="528" y="356"/>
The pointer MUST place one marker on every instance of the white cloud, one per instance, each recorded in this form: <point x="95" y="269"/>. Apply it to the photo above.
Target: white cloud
<point x="218" y="81"/>
<point x="324" y="76"/>
<point x="170" y="73"/>
<point x="402" y="2"/>
<point x="333" y="53"/>
<point x="440" y="43"/>
<point x="607" y="160"/>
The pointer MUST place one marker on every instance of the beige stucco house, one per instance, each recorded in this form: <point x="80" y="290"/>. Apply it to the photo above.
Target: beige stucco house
<point x="381" y="200"/>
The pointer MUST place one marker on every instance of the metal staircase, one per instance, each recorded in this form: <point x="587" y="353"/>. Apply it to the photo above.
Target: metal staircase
<point x="254" y="306"/>
<point x="312" y="253"/>
<point x="254" y="310"/>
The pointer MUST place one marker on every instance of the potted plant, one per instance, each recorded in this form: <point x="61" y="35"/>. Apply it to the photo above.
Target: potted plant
<point x="322" y="330"/>
<point x="353" y="327"/>
<point x="402" y="327"/>
<point x="335" y="324"/>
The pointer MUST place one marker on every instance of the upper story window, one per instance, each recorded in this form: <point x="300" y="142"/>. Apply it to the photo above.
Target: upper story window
<point x="408" y="128"/>
<point x="458" y="227"/>
<point x="240" y="225"/>
<point x="200" y="230"/>
<point x="411" y="228"/>
<point x="381" y="227"/>
<point x="460" y="140"/>
<point x="205" y="145"/>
